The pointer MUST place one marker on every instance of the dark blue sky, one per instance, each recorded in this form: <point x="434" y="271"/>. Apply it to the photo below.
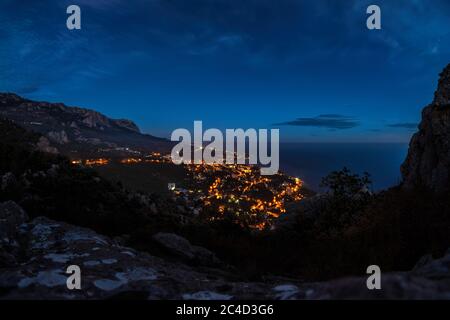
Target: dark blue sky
<point x="310" y="67"/>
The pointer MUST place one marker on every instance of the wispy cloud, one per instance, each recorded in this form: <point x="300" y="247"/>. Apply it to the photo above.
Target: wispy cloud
<point x="328" y="121"/>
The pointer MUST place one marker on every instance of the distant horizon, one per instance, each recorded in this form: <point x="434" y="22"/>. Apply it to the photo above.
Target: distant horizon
<point x="313" y="161"/>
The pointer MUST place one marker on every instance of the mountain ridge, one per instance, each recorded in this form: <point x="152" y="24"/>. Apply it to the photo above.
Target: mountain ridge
<point x="75" y="130"/>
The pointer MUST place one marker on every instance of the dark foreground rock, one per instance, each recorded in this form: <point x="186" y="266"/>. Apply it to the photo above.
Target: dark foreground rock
<point x="40" y="251"/>
<point x="428" y="161"/>
<point x="182" y="248"/>
<point x="108" y="270"/>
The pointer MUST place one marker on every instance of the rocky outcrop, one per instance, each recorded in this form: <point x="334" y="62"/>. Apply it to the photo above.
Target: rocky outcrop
<point x="48" y="248"/>
<point x="35" y="256"/>
<point x="127" y="124"/>
<point x="44" y="145"/>
<point x="442" y="94"/>
<point x="58" y="137"/>
<point x="75" y="129"/>
<point x="182" y="248"/>
<point x="11" y="218"/>
<point x="394" y="286"/>
<point x="428" y="161"/>
<point x="93" y="119"/>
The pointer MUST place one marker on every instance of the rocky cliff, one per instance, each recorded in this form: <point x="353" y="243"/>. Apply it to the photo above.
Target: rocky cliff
<point x="75" y="130"/>
<point x="428" y="161"/>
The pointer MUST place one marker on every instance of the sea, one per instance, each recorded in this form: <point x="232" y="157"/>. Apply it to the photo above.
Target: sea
<point x="313" y="161"/>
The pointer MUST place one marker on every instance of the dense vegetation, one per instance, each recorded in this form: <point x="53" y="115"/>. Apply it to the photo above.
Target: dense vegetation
<point x="336" y="234"/>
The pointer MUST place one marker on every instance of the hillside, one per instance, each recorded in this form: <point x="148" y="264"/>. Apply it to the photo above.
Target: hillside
<point x="79" y="132"/>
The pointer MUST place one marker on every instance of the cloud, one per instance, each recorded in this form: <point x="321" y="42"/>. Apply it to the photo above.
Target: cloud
<point x="329" y="121"/>
<point x="404" y="125"/>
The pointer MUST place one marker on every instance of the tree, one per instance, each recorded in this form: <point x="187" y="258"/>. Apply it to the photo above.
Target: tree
<point x="344" y="184"/>
<point x="347" y="196"/>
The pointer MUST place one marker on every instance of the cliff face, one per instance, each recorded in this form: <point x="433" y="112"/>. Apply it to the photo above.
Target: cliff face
<point x="428" y="161"/>
<point x="44" y="113"/>
<point x="78" y="130"/>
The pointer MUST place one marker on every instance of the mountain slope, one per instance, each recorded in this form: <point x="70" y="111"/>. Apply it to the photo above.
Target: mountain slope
<point x="78" y="131"/>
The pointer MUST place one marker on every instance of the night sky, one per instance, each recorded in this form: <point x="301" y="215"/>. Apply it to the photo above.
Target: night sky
<point x="310" y="68"/>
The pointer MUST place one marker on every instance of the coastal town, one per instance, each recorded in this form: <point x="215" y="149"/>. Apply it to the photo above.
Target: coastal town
<point x="220" y="191"/>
